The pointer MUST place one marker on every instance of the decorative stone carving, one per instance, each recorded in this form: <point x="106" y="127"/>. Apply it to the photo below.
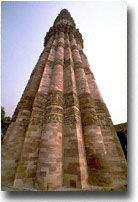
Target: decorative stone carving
<point x="71" y="116"/>
<point x="63" y="136"/>
<point x="87" y="109"/>
<point x="53" y="118"/>
<point x="66" y="45"/>
<point x="59" y="62"/>
<point x="53" y="110"/>
<point x="78" y="64"/>
<point x="81" y="52"/>
<point x="64" y="23"/>
<point x="50" y="63"/>
<point x="68" y="63"/>
<point x="54" y="98"/>
<point x="70" y="99"/>
<point x="104" y="121"/>
<point x="73" y="47"/>
<point x="100" y="107"/>
<point x="88" y="71"/>
<point x="60" y="44"/>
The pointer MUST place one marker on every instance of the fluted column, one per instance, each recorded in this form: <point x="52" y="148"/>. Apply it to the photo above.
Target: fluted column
<point x="27" y="99"/>
<point x="26" y="171"/>
<point x="98" y="169"/>
<point x="49" y="167"/>
<point x="16" y="133"/>
<point x="61" y="136"/>
<point x="115" y="154"/>
<point x="74" y="160"/>
<point x="28" y="96"/>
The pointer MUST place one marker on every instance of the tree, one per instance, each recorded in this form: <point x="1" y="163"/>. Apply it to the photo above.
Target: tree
<point x="3" y="118"/>
<point x="5" y="121"/>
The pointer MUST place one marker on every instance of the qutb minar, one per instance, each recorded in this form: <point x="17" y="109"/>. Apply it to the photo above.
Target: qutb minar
<point x="61" y="136"/>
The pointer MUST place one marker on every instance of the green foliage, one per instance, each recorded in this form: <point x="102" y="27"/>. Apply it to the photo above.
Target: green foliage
<point x="3" y="118"/>
<point x="4" y="122"/>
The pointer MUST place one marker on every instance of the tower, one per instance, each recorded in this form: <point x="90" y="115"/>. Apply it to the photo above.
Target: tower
<point x="61" y="135"/>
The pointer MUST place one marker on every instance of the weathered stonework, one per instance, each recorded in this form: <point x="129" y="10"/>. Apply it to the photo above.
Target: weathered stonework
<point x="121" y="130"/>
<point x="61" y="136"/>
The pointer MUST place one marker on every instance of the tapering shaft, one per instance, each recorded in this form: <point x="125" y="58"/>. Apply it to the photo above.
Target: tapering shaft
<point x="93" y="140"/>
<point x="49" y="167"/>
<point x="26" y="171"/>
<point x="112" y="144"/>
<point x="74" y="161"/>
<point x="16" y="134"/>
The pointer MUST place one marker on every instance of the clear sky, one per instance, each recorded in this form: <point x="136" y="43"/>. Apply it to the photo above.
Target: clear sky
<point x="103" y="28"/>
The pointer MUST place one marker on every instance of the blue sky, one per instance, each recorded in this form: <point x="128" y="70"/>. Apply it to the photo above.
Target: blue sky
<point x="103" y="28"/>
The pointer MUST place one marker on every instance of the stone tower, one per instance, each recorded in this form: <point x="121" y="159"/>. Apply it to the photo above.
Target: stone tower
<point x="61" y="136"/>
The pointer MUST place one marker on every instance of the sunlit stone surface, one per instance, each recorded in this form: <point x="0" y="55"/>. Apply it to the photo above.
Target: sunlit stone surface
<point x="61" y="136"/>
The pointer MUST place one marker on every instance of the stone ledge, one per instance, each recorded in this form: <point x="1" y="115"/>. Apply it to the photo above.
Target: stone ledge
<point x="64" y="188"/>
